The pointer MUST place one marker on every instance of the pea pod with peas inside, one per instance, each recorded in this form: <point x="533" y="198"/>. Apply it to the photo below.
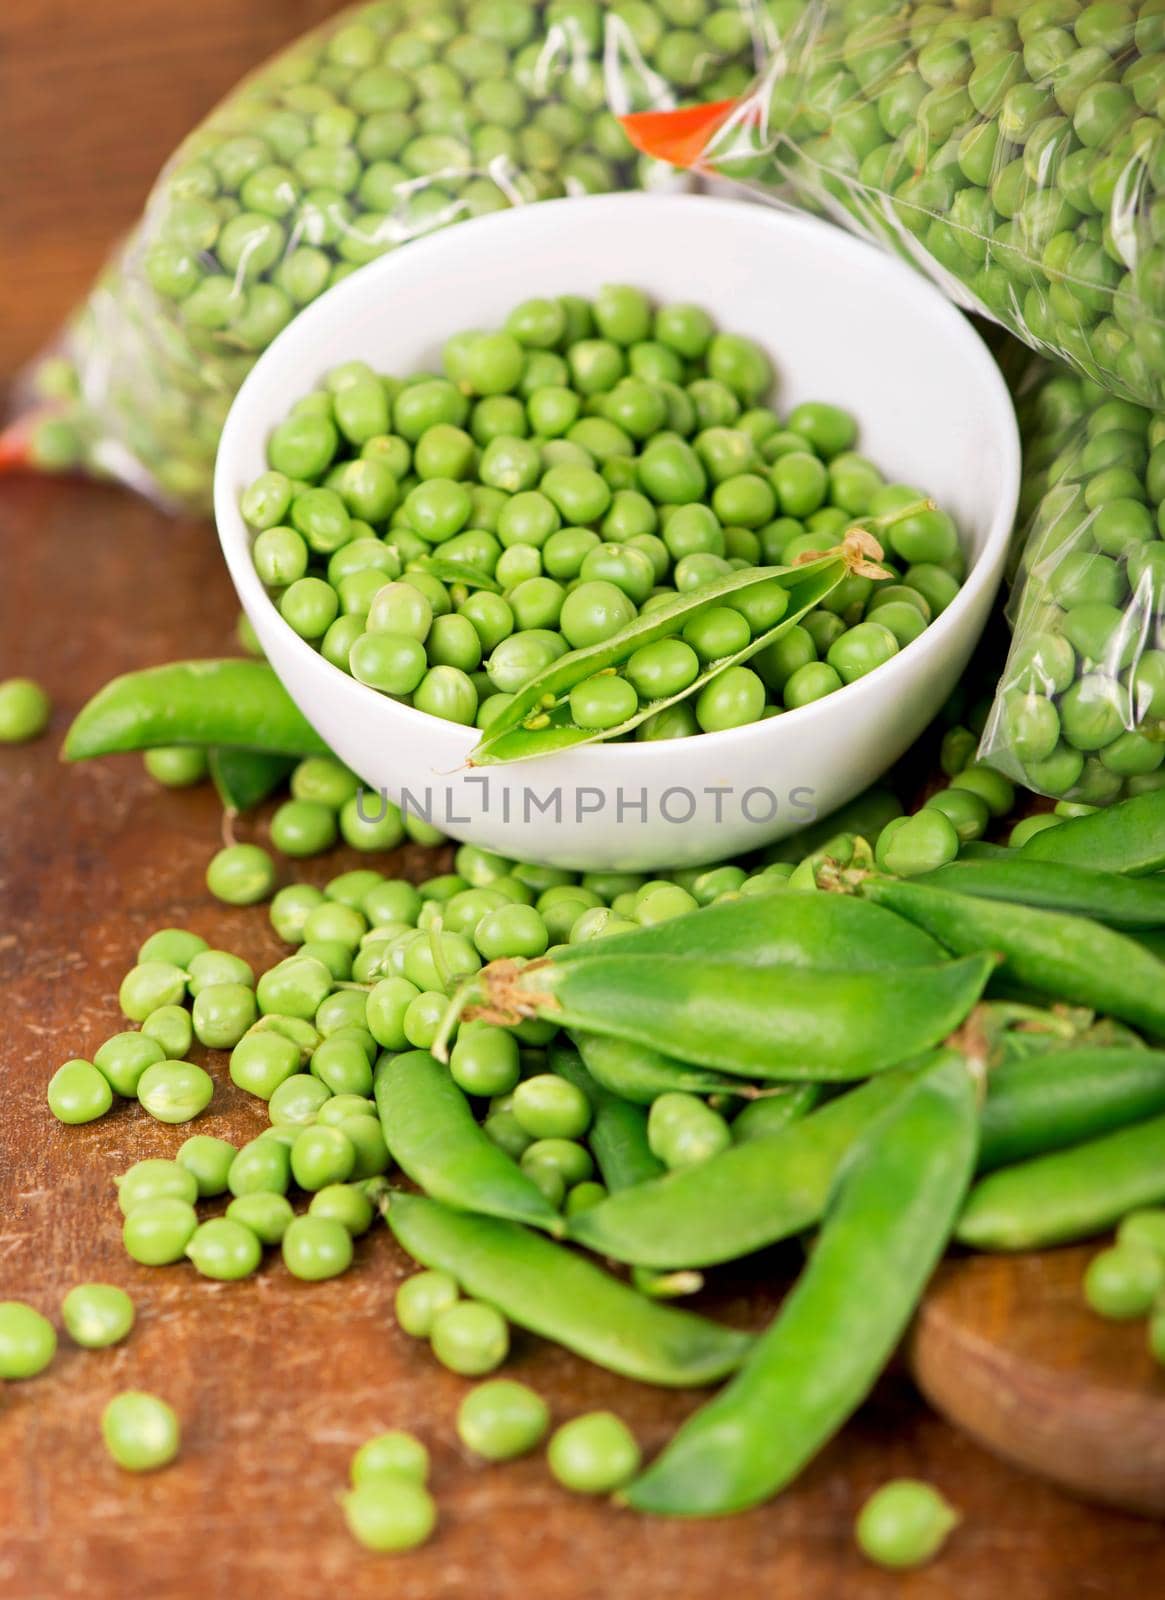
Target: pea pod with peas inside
<point x="539" y="719"/>
<point x="554" y="1292"/>
<point x="432" y="1135"/>
<point x="618" y="1131"/>
<point x="749" y="1197"/>
<point x="887" y="1223"/>
<point x="1068" y="957"/>
<point x="769" y="1023"/>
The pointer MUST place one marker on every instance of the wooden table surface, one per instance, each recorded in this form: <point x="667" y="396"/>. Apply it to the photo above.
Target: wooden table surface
<point x="277" y="1382"/>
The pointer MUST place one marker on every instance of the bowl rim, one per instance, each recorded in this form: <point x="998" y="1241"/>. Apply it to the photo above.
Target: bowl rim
<point x="612" y="760"/>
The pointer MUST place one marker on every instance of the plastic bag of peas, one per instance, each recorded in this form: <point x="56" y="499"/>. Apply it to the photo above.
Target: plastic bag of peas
<point x="396" y="118"/>
<point x="1011" y="149"/>
<point x="1080" y="708"/>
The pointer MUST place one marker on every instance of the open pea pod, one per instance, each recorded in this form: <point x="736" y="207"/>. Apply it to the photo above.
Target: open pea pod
<point x="456" y="572"/>
<point x="537" y="722"/>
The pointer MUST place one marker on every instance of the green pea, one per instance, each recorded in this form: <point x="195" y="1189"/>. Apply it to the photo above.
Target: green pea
<point x="345" y="1203"/>
<point x="155" y="1179"/>
<point x="222" y="1013"/>
<point x="263" y="1166"/>
<point x="390" y="1514"/>
<point x="548" y="1107"/>
<point x="224" y="1249"/>
<point x="904" y="1524"/>
<point x="1124" y="1281"/>
<point x="239" y="875"/>
<point x="28" y="1341"/>
<point x="501" y="1419"/>
<point x="156" y="1232"/>
<point x="25" y="710"/>
<point x="919" y="843"/>
<point x="315" y="1248"/>
<point x="470" y="1338"/>
<point x="421" y="1298"/>
<point x="141" y="1432"/>
<point x="175" y="1091"/>
<point x="394" y="1454"/>
<point x="683" y="1131"/>
<point x="97" y="1315"/>
<point x="321" y="1156"/>
<point x="78" y="1092"/>
<point x="593" y="1454"/>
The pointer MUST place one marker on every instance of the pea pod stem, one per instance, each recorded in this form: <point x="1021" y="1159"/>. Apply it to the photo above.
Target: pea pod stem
<point x="1068" y="957"/>
<point x="555" y="1292"/>
<point x="767" y="1023"/>
<point x="433" y="1137"/>
<point x="1069" y="1194"/>
<point x="240" y="704"/>
<point x="888" y="1221"/>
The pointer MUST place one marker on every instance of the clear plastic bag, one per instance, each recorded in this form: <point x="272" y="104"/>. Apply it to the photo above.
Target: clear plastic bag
<point x="1080" y="708"/>
<point x="394" y="119"/>
<point x="1012" y="149"/>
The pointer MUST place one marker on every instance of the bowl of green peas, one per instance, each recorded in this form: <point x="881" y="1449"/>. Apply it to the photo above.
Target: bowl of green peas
<point x="629" y="531"/>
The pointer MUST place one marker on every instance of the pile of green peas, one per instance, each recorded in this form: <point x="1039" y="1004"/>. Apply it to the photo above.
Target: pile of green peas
<point x="1080" y="710"/>
<point x="397" y="118"/>
<point x="444" y="539"/>
<point x="1018" y="143"/>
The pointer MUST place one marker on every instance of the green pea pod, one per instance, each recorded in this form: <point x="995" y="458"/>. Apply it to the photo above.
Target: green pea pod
<point x="887" y="1224"/>
<point x="866" y="815"/>
<point x="773" y="1113"/>
<point x="1128" y="837"/>
<point x="777" y="930"/>
<point x="456" y="572"/>
<point x="1050" y="952"/>
<point x="555" y="1292"/>
<point x="1067" y="1195"/>
<point x="618" y="1131"/>
<point x="432" y="1136"/>
<point x="204" y="703"/>
<point x="1108" y="897"/>
<point x="980" y="850"/>
<point x="243" y="779"/>
<point x="638" y="1073"/>
<point x="771" y="1023"/>
<point x="537" y="720"/>
<point x="745" y="1199"/>
<point x="1044" y="1102"/>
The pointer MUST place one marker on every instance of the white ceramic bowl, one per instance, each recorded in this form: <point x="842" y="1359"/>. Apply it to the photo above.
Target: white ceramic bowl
<point x="842" y="322"/>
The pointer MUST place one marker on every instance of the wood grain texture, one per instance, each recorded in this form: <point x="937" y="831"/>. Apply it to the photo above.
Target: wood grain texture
<point x="1005" y="1348"/>
<point x="277" y="1382"/>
